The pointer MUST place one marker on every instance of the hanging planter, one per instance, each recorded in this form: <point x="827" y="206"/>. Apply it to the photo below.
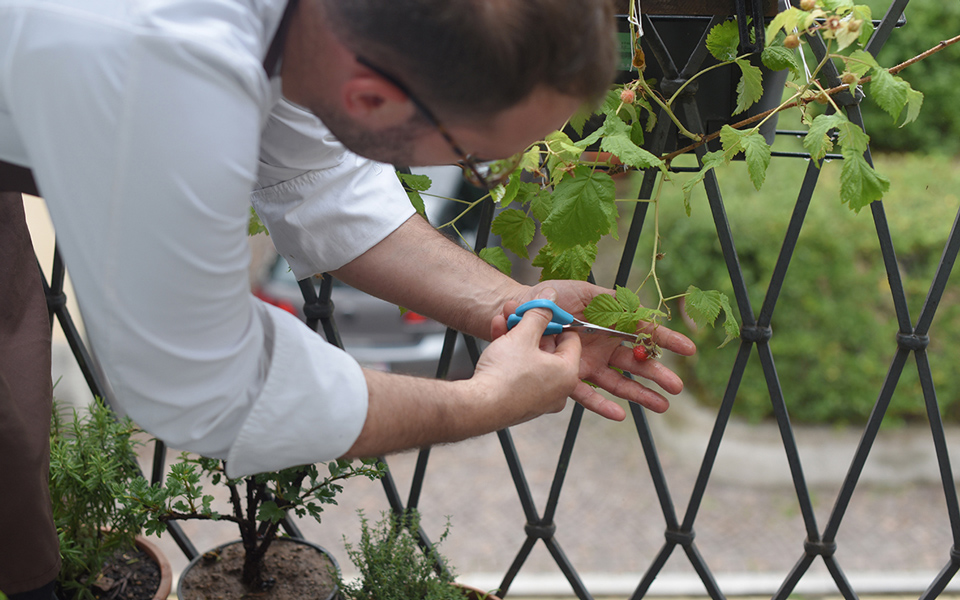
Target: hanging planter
<point x="678" y="26"/>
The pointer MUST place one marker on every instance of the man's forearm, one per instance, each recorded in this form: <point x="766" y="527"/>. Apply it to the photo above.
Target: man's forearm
<point x="418" y="268"/>
<point x="516" y="380"/>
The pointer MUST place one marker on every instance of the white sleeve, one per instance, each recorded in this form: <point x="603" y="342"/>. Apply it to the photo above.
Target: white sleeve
<point x="146" y="149"/>
<point x="322" y="204"/>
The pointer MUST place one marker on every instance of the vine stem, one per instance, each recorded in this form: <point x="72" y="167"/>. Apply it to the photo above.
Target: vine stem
<point x="804" y="101"/>
<point x="683" y="130"/>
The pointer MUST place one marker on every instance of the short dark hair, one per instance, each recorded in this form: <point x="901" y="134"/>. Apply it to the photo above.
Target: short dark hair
<point x="478" y="57"/>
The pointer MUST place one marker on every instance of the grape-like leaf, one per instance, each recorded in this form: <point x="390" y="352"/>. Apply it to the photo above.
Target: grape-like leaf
<point x="860" y="62"/>
<point x="496" y="257"/>
<point x="750" y="87"/>
<point x="516" y="230"/>
<point x="255" y="225"/>
<point x="710" y="160"/>
<point x="787" y="21"/>
<point x="755" y="149"/>
<point x="629" y="153"/>
<point x="603" y="310"/>
<point x="584" y="209"/>
<point x="914" y="102"/>
<point x="757" y="153"/>
<point x="860" y="184"/>
<point x="723" y="41"/>
<point x="704" y="306"/>
<point x="778" y="58"/>
<point x="627" y="298"/>
<point x="889" y="92"/>
<point x="569" y="263"/>
<point x="413" y="185"/>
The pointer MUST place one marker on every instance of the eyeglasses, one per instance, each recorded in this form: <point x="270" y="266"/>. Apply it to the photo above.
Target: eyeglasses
<point x="483" y="174"/>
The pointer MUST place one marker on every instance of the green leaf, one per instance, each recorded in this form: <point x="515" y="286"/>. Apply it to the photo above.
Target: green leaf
<point x="861" y="61"/>
<point x="530" y="161"/>
<point x="516" y="230"/>
<point x="255" y="225"/>
<point x="788" y="20"/>
<point x="496" y="257"/>
<point x="778" y="58"/>
<point x="269" y="511"/>
<point x="561" y="144"/>
<point x="705" y="306"/>
<point x="604" y="310"/>
<point x="914" y="102"/>
<point x="569" y="263"/>
<point x="623" y="147"/>
<point x="628" y="299"/>
<point x="860" y="184"/>
<point x="724" y="40"/>
<point x="840" y="7"/>
<point x="849" y="135"/>
<point x="710" y="160"/>
<point x="420" y="183"/>
<point x="584" y="209"/>
<point x="757" y="153"/>
<point x="889" y="92"/>
<point x="750" y="88"/>
<point x="413" y="185"/>
<point x="579" y="119"/>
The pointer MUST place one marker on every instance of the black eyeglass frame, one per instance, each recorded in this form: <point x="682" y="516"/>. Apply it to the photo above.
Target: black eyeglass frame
<point x="467" y="161"/>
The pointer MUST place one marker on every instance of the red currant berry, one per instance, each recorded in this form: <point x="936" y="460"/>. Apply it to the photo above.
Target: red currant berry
<point x="641" y="352"/>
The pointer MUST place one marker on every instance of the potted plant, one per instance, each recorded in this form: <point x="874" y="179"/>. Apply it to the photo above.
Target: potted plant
<point x="261" y="561"/>
<point x="92" y="463"/>
<point x="393" y="566"/>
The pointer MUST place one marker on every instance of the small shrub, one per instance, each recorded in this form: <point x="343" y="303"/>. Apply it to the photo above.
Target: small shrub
<point x="393" y="567"/>
<point x="92" y="463"/>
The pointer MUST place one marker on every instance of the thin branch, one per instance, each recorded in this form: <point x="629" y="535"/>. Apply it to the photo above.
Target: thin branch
<point x="804" y="101"/>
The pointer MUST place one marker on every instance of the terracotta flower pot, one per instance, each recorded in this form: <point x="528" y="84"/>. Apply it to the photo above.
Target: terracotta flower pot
<point x="473" y="593"/>
<point x="166" y="572"/>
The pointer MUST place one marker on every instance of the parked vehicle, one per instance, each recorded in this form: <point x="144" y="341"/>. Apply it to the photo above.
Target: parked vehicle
<point x="375" y="332"/>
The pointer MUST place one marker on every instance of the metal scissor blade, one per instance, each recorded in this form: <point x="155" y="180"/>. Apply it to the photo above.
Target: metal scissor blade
<point x="588" y="328"/>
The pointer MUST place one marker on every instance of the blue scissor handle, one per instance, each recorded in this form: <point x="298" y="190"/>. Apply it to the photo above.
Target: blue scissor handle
<point x="559" y="319"/>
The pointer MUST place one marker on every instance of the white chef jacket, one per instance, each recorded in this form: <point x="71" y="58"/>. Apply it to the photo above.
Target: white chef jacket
<point x="147" y="124"/>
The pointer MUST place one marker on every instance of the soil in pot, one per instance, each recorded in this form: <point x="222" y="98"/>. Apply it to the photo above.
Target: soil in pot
<point x="301" y="572"/>
<point x="139" y="574"/>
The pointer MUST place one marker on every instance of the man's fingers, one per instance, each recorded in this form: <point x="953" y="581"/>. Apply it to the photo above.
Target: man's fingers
<point x="594" y="402"/>
<point x="651" y="369"/>
<point x="669" y="339"/>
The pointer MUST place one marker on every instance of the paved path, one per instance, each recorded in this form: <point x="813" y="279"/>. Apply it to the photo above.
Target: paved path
<point x="895" y="535"/>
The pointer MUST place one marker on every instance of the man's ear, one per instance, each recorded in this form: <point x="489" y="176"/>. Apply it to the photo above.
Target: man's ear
<point x="375" y="102"/>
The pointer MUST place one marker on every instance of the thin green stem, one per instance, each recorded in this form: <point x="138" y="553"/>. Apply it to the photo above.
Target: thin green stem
<point x="676" y="121"/>
<point x="699" y="73"/>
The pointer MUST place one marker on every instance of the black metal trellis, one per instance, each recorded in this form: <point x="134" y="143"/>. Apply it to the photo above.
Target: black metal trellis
<point x="756" y="333"/>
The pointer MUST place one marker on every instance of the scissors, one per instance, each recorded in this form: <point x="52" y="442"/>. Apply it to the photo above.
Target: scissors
<point x="564" y="321"/>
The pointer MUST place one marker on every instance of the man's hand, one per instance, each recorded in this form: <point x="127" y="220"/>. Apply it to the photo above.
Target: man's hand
<point x="600" y="352"/>
<point x="520" y="376"/>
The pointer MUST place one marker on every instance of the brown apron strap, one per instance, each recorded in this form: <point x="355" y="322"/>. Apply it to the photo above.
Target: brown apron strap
<point x="14" y="178"/>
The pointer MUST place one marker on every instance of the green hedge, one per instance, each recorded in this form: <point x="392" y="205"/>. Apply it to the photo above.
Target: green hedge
<point x="928" y="22"/>
<point x="834" y="328"/>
